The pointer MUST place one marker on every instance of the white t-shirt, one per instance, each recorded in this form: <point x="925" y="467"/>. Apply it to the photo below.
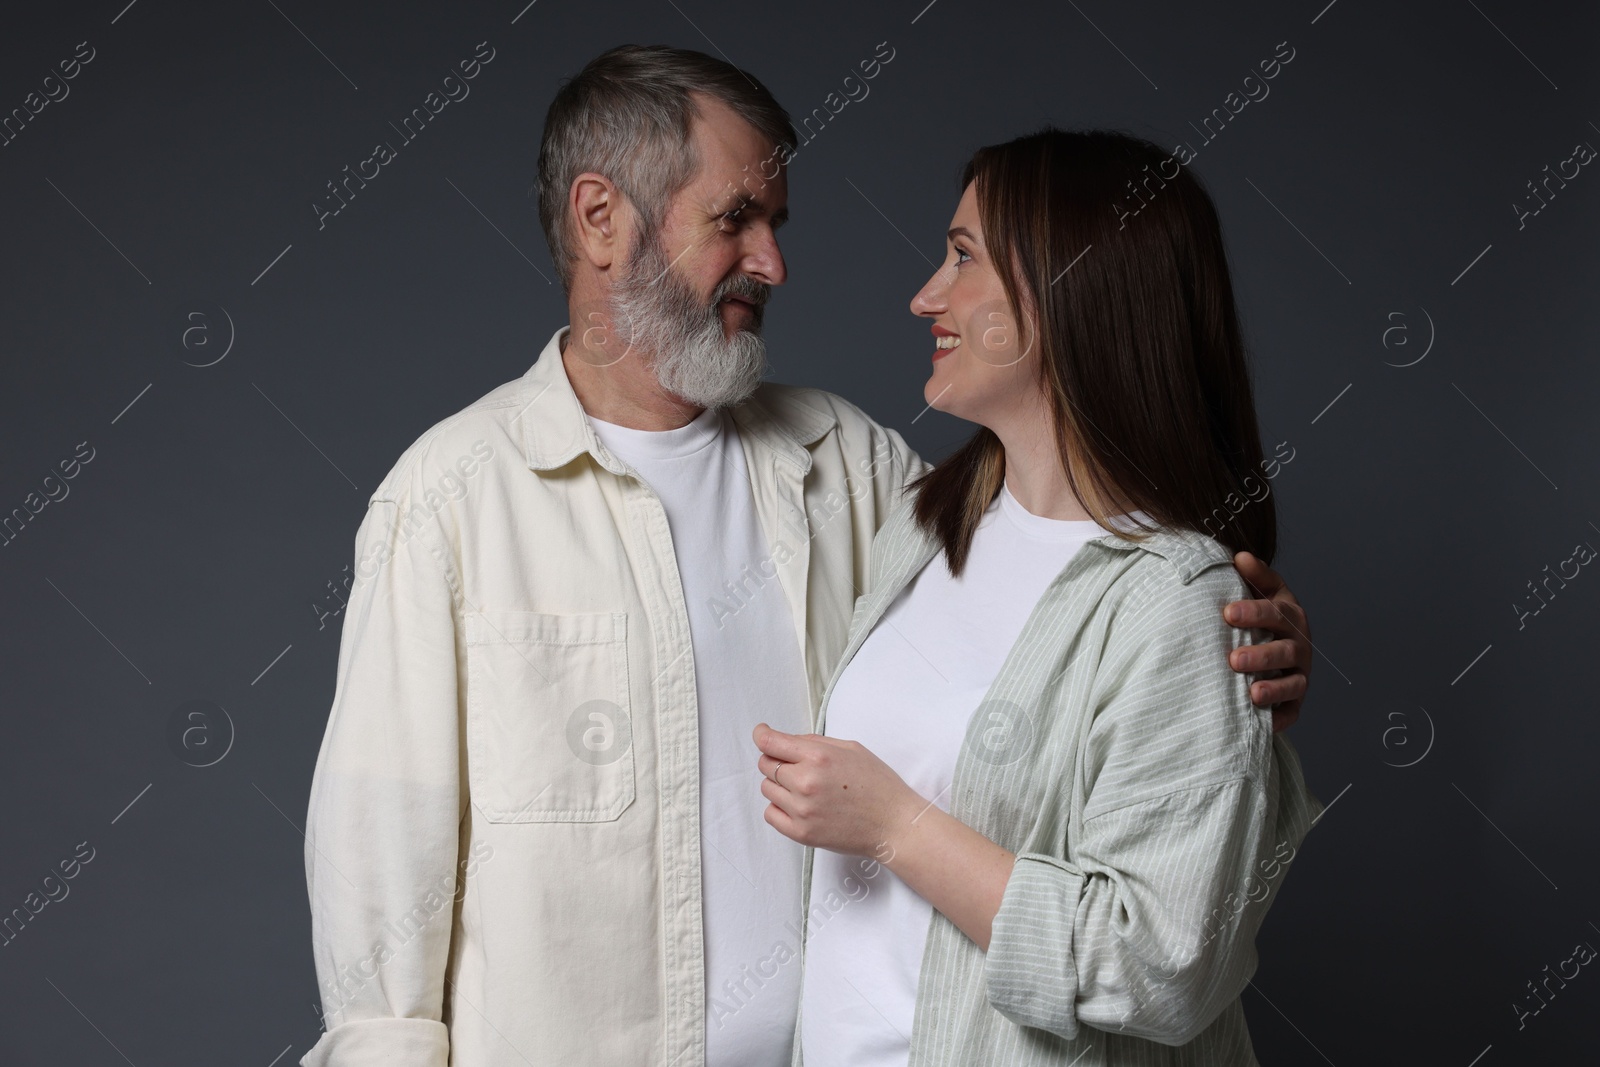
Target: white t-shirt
<point x="748" y="669"/>
<point x="909" y="695"/>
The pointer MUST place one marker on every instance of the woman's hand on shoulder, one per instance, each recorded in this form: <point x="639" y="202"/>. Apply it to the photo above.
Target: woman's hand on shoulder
<point x="831" y="794"/>
<point x="1290" y="651"/>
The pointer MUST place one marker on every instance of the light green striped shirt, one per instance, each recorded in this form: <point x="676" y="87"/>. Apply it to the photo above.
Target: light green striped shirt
<point x="1152" y="810"/>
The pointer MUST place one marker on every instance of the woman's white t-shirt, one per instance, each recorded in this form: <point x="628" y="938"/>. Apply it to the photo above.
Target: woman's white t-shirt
<point x="908" y="695"/>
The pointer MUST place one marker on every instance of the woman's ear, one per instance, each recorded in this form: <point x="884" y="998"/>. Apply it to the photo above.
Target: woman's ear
<point x="598" y="210"/>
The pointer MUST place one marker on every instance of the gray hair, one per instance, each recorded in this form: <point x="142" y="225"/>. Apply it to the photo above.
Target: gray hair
<point x="628" y="115"/>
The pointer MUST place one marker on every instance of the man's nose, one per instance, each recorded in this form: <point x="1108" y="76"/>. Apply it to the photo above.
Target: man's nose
<point x="764" y="260"/>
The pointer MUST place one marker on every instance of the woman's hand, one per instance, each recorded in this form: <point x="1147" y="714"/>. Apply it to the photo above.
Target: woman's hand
<point x="836" y="795"/>
<point x="832" y="794"/>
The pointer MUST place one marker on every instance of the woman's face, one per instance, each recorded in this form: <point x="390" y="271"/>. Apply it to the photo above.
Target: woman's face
<point x="984" y="367"/>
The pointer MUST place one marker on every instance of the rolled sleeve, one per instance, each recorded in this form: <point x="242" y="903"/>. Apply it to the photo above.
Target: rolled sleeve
<point x="386" y="805"/>
<point x="1028" y="978"/>
<point x="1150" y="932"/>
<point x="381" y="1043"/>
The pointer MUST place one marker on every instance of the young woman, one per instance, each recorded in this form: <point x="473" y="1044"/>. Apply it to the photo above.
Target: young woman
<point x="1046" y="819"/>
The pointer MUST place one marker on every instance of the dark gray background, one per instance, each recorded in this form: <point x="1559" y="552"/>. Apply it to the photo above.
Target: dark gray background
<point x="194" y="549"/>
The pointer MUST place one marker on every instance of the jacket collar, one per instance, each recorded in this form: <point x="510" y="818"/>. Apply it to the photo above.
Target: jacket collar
<point x="780" y="420"/>
<point x="1189" y="551"/>
<point x="555" y="429"/>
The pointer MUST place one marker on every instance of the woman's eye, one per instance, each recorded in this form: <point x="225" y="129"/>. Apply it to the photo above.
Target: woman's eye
<point x="961" y="253"/>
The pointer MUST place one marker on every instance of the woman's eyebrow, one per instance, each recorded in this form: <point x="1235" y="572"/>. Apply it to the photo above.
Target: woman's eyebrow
<point x="962" y="231"/>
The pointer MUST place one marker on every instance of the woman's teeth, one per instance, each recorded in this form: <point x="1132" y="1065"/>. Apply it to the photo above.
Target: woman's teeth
<point x="946" y="342"/>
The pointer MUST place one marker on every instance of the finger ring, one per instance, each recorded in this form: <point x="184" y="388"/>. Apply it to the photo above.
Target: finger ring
<point x="775" y="771"/>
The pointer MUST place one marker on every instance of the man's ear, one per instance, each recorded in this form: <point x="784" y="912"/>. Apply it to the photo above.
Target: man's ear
<point x="601" y="216"/>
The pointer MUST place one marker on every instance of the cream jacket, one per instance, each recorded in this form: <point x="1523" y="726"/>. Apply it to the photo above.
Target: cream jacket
<point x="502" y="842"/>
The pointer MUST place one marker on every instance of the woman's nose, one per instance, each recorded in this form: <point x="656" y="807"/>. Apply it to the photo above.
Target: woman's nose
<point x="931" y="298"/>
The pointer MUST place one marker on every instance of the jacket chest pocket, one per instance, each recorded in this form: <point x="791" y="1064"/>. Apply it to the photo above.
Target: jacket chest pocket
<point x="549" y="730"/>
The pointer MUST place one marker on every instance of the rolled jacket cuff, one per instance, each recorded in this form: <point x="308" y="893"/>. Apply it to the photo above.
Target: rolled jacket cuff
<point x="382" y="1043"/>
<point x="1030" y="975"/>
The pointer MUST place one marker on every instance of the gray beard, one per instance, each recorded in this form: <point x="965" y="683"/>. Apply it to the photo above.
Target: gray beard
<point x="656" y="312"/>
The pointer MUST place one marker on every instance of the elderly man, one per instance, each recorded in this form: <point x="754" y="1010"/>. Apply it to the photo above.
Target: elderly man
<point x="533" y="836"/>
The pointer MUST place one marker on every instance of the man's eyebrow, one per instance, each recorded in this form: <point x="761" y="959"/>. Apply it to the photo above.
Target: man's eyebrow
<point x="743" y="199"/>
<point x="737" y="200"/>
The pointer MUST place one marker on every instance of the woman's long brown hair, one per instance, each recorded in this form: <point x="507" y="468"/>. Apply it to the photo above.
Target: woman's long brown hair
<point x="1139" y="352"/>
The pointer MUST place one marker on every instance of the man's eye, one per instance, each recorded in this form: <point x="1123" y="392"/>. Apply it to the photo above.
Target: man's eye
<point x="732" y="217"/>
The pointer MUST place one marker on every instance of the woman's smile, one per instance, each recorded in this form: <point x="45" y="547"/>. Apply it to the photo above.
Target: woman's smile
<point x="943" y="341"/>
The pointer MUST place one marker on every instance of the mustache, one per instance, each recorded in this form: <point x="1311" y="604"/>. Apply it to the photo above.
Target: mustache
<point x="744" y="287"/>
